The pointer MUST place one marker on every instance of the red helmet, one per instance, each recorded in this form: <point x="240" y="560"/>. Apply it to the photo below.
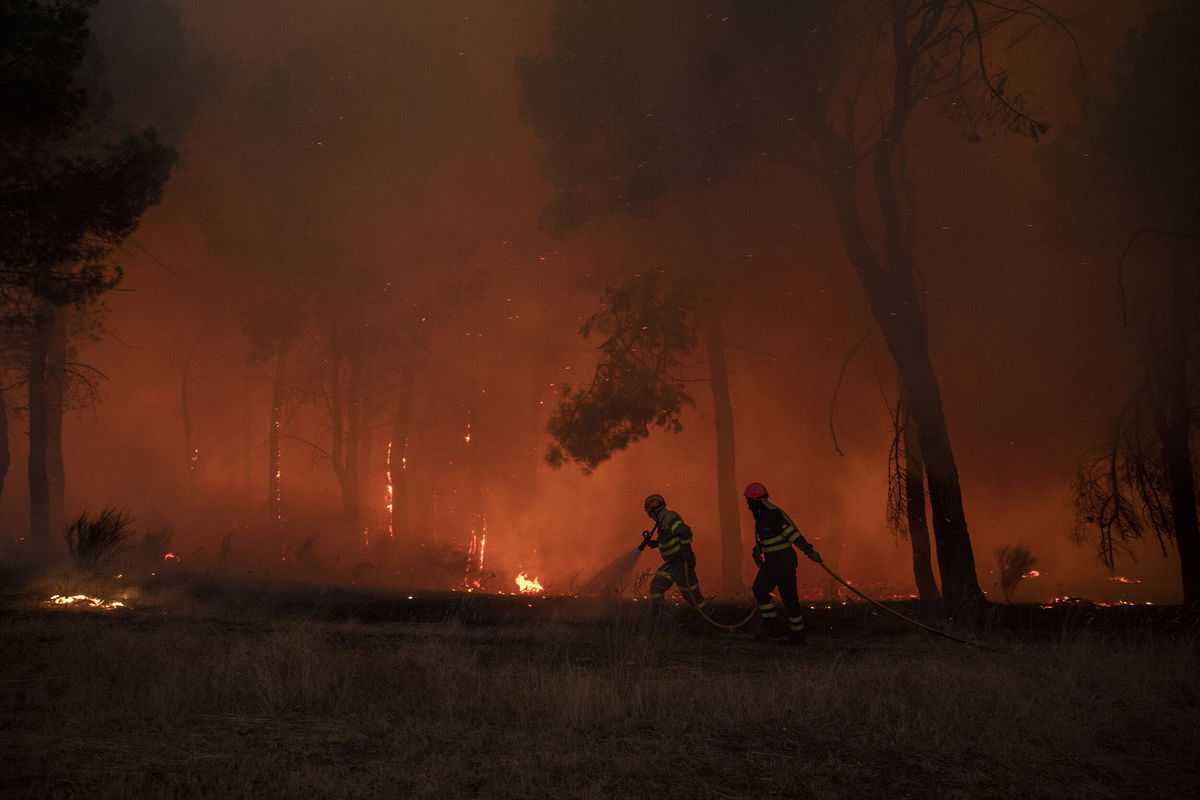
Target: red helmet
<point x="756" y="491"/>
<point x="653" y="503"/>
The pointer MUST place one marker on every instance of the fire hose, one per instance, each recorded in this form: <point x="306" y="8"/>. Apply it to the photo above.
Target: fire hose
<point x="919" y="624"/>
<point x="687" y="576"/>
<point x="646" y="536"/>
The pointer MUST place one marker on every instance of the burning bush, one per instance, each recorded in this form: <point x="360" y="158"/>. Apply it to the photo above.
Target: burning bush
<point x="94" y="543"/>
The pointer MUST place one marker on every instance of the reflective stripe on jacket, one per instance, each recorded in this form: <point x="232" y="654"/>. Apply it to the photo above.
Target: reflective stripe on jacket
<point x="674" y="536"/>
<point x="774" y="533"/>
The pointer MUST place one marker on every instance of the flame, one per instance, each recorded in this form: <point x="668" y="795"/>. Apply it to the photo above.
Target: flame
<point x="170" y="556"/>
<point x="528" y="586"/>
<point x="84" y="600"/>
<point x="1033" y="573"/>
<point x="390" y="492"/>
<point x="473" y="578"/>
<point x="1120" y="579"/>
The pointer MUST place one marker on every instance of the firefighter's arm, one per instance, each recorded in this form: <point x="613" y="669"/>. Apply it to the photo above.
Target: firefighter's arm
<point x="803" y="545"/>
<point x="756" y="554"/>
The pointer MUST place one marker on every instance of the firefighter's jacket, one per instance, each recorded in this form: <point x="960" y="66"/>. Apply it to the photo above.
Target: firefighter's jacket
<point x="674" y="536"/>
<point x="774" y="535"/>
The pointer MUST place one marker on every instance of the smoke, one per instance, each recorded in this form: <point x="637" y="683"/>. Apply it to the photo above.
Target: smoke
<point x="364" y="163"/>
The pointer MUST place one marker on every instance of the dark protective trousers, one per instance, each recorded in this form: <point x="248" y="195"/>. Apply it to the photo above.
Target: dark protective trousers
<point x="679" y="572"/>
<point x="780" y="574"/>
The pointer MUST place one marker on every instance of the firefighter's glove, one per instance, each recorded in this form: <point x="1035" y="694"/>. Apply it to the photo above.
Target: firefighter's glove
<point x="812" y="554"/>
<point x="757" y="556"/>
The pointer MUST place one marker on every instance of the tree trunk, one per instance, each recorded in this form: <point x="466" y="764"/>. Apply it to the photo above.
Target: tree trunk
<point x="274" y="456"/>
<point x="914" y="505"/>
<point x="46" y="355"/>
<point x="398" y="464"/>
<point x="711" y="316"/>
<point x="891" y="291"/>
<point x="56" y="380"/>
<point x="344" y="425"/>
<point x="1175" y="430"/>
<point x="191" y="455"/>
<point x="727" y="490"/>
<point x="351" y="491"/>
<point x="5" y="452"/>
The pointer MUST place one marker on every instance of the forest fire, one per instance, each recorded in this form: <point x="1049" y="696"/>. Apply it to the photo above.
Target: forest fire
<point x="84" y="601"/>
<point x="527" y="585"/>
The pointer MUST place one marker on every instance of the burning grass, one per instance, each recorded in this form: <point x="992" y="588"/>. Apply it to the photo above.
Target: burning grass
<point x="192" y="703"/>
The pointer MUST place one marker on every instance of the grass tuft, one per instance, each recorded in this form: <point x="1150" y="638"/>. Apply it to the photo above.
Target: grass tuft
<point x="94" y="543"/>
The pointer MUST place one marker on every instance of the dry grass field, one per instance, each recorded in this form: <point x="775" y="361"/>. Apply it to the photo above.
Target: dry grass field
<point x="196" y="698"/>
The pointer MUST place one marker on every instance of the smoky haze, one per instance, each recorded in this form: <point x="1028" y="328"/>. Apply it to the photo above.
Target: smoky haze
<point x="362" y="166"/>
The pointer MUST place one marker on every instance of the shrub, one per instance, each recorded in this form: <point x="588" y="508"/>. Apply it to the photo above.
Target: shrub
<point x="94" y="543"/>
<point x="1014" y="561"/>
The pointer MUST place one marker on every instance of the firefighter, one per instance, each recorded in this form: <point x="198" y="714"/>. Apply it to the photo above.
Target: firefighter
<point x="674" y="544"/>
<point x="774" y="536"/>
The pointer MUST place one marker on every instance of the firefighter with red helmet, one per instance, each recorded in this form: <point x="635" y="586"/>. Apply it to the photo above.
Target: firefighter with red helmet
<point x="674" y="544"/>
<point x="774" y="537"/>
